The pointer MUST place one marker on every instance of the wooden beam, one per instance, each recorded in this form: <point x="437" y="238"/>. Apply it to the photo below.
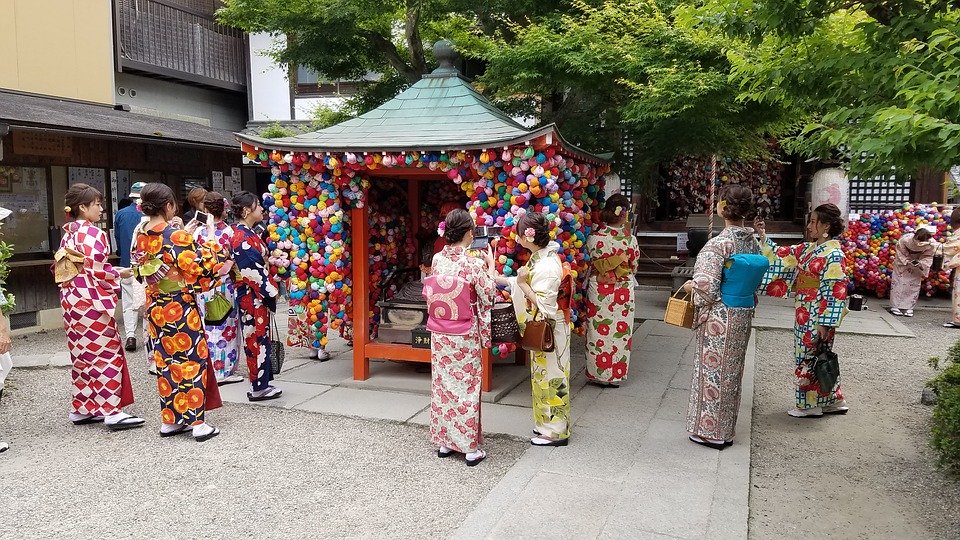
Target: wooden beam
<point x="395" y="351"/>
<point x="361" y="296"/>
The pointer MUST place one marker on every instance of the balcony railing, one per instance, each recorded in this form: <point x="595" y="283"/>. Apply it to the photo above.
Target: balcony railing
<point x="176" y="39"/>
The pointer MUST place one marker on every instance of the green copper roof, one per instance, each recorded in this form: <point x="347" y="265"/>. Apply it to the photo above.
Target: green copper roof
<point x="439" y="112"/>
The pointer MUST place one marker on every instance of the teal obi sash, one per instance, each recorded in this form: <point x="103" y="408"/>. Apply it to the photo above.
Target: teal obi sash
<point x="742" y="274"/>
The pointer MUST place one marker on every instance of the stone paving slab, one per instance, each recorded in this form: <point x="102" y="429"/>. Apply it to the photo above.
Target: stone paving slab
<point x="294" y="394"/>
<point x="373" y="404"/>
<point x="629" y="471"/>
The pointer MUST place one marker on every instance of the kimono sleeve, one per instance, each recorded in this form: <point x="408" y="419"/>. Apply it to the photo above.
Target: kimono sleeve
<point x="951" y="251"/>
<point x="95" y="246"/>
<point x="833" y="290"/>
<point x="485" y="288"/>
<point x="633" y="253"/>
<point x="545" y="282"/>
<point x="783" y="261"/>
<point x="197" y="263"/>
<point x="253" y="268"/>
<point x="708" y="272"/>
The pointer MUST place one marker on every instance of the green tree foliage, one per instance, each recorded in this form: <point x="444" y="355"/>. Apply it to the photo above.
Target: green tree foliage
<point x="879" y="78"/>
<point x="633" y="68"/>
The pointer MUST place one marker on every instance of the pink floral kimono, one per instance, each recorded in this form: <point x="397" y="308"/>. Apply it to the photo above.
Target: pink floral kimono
<point x="455" y="403"/>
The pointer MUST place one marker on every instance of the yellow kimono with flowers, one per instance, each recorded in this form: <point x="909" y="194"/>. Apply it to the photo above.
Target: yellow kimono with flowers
<point x="176" y="269"/>
<point x="549" y="371"/>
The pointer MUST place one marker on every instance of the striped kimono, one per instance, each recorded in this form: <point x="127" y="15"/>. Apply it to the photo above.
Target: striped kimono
<point x="815" y="273"/>
<point x="101" y="381"/>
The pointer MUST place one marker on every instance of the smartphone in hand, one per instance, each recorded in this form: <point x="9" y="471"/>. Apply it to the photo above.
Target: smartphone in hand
<point x="202" y="217"/>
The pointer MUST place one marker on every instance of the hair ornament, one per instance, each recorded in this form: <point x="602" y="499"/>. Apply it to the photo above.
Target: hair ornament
<point x="67" y="209"/>
<point x="617" y="211"/>
<point x="441" y="228"/>
<point x="529" y="234"/>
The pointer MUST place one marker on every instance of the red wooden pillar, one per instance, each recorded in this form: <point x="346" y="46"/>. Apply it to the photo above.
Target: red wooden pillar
<point x="486" y="370"/>
<point x="361" y="295"/>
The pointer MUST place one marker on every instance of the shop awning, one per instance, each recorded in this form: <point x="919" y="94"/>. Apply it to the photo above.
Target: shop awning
<point x="440" y="112"/>
<point x="50" y="114"/>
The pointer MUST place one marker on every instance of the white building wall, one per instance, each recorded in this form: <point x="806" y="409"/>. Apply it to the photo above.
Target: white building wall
<point x="269" y="83"/>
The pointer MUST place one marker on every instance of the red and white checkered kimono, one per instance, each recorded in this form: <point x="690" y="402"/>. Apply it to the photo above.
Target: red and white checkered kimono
<point x="101" y="382"/>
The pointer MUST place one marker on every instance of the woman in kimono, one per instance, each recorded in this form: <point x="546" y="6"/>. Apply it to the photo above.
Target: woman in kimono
<point x="816" y="272"/>
<point x="101" y="380"/>
<point x="6" y="306"/>
<point x="536" y="291"/>
<point x="256" y="295"/>
<point x="176" y="270"/>
<point x="722" y="330"/>
<point x="222" y="336"/>
<point x="951" y="256"/>
<point x="614" y="256"/>
<point x="455" y="357"/>
<point x="911" y="264"/>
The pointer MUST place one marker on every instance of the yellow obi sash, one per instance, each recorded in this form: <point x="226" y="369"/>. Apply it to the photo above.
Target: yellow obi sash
<point x="806" y="281"/>
<point x="613" y="263"/>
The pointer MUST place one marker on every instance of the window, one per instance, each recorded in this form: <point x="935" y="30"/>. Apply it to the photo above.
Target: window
<point x="23" y="190"/>
<point x="310" y="83"/>
<point x="878" y="193"/>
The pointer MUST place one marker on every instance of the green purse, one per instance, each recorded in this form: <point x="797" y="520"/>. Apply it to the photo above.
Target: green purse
<point x="218" y="310"/>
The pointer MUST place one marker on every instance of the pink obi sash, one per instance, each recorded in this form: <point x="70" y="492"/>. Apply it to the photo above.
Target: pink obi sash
<point x="450" y="301"/>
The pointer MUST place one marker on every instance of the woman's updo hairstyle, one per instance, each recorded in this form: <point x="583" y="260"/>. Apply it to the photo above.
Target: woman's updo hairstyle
<point x="739" y="199"/>
<point x="456" y="225"/>
<point x="923" y="234"/>
<point x="537" y="222"/>
<point x="830" y="214"/>
<point x="955" y="218"/>
<point x="215" y="204"/>
<point x="243" y="201"/>
<point x="154" y="198"/>
<point x="79" y="194"/>
<point x="609" y="214"/>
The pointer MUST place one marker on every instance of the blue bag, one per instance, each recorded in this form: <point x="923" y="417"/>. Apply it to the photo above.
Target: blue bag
<point x="742" y="274"/>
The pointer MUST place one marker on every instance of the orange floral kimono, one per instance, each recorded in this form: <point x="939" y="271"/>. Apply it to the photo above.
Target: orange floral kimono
<point x="176" y="269"/>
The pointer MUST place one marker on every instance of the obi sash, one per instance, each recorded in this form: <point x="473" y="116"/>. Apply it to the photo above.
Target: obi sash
<point x="450" y="301"/>
<point x="806" y="281"/>
<point x="742" y="274"/>
<point x="613" y="263"/>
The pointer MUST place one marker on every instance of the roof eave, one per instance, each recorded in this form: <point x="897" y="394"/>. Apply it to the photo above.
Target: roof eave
<point x="550" y="131"/>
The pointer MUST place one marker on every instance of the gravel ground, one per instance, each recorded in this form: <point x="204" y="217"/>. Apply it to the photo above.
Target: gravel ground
<point x="270" y="474"/>
<point x="45" y="342"/>
<point x="869" y="474"/>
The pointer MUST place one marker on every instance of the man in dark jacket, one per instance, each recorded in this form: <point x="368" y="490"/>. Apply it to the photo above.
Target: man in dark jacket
<point x="124" y="222"/>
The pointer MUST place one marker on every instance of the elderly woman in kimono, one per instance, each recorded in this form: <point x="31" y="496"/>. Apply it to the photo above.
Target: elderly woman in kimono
<point x="176" y="269"/>
<point x="951" y="254"/>
<point x="458" y="337"/>
<point x="542" y="288"/>
<point x="88" y="295"/>
<point x="816" y="272"/>
<point x="614" y="255"/>
<point x="725" y="277"/>
<point x="911" y="264"/>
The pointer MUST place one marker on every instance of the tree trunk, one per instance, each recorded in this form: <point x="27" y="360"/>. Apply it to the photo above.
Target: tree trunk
<point x="412" y="35"/>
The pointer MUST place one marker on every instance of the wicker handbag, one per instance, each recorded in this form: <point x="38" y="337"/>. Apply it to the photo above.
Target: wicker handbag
<point x="277" y="353"/>
<point x="679" y="310"/>
<point x="503" y="324"/>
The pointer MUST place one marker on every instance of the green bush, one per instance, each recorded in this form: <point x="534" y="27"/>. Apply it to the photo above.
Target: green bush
<point x="945" y="435"/>
<point x="276" y="131"/>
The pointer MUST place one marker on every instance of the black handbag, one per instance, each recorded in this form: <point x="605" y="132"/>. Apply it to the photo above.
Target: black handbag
<point x="277" y="353"/>
<point x="826" y="367"/>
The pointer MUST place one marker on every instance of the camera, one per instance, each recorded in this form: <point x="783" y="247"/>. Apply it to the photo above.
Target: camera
<point x="483" y="234"/>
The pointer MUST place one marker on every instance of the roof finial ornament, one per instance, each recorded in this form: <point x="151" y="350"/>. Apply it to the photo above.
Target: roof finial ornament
<point x="444" y="52"/>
